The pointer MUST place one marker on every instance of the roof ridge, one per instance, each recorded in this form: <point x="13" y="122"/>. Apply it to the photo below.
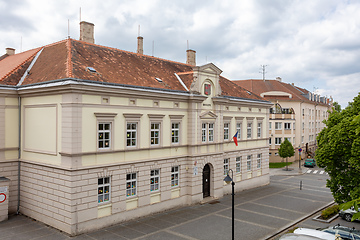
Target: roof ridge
<point x="13" y="70"/>
<point x="138" y="54"/>
<point x="69" y="64"/>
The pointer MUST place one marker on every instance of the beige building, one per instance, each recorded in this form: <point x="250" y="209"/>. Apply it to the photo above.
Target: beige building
<point x="297" y="115"/>
<point x="92" y="135"/>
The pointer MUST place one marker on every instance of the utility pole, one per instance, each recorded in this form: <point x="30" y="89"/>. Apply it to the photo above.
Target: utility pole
<point x="262" y="71"/>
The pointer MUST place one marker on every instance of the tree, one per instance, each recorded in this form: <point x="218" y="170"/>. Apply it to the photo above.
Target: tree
<point x="337" y="107"/>
<point x="286" y="150"/>
<point x="339" y="152"/>
<point x="354" y="203"/>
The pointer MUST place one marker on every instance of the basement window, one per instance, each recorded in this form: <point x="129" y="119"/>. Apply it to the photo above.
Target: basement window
<point x="91" y="69"/>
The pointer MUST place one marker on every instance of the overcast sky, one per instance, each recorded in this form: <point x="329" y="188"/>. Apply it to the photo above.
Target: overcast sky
<point x="314" y="44"/>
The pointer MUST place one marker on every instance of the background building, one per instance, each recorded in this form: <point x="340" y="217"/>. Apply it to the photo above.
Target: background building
<point x="93" y="135"/>
<point x="297" y="115"/>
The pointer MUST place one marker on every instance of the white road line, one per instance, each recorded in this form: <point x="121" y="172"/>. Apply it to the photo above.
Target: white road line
<point x="309" y="171"/>
<point x="315" y="171"/>
<point x="322" y="172"/>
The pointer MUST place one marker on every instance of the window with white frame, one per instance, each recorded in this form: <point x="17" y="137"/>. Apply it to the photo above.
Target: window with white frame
<point x="238" y="129"/>
<point x="248" y="163"/>
<point x="211" y="132"/>
<point x="226" y="166"/>
<point x="207" y="132"/>
<point x="104" y="134"/>
<point x="131" y="134"/>
<point x="226" y="131"/>
<point x="249" y="130"/>
<point x="103" y="189"/>
<point x="154" y="180"/>
<point x="259" y="130"/>
<point x="269" y="140"/>
<point x="238" y="164"/>
<point x="293" y="126"/>
<point x="175" y="176"/>
<point x="270" y="125"/>
<point x="278" y="125"/>
<point x="175" y="132"/>
<point x="258" y="160"/>
<point x="155" y="134"/>
<point x="277" y="140"/>
<point x="287" y="126"/>
<point x="131" y="182"/>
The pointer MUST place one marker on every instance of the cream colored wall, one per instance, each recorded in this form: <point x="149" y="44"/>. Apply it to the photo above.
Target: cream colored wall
<point x="11" y="126"/>
<point x="41" y="129"/>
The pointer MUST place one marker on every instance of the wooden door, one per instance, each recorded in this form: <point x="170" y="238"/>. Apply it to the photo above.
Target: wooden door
<point x="206" y="181"/>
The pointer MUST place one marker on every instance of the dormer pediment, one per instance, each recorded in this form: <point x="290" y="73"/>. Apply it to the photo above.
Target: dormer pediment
<point x="208" y="115"/>
<point x="210" y="68"/>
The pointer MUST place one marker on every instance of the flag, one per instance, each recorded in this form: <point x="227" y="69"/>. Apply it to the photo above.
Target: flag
<point x="235" y="138"/>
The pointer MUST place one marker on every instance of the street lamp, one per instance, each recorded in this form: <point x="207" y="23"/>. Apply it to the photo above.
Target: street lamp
<point x="229" y="179"/>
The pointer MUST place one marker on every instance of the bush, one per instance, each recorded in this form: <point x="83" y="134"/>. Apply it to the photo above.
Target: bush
<point x="329" y="212"/>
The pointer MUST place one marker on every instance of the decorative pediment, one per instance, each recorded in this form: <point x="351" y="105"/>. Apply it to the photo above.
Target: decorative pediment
<point x="204" y="76"/>
<point x="210" y="68"/>
<point x="208" y="115"/>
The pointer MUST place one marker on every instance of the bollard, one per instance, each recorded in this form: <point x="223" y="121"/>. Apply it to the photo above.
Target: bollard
<point x="300" y="185"/>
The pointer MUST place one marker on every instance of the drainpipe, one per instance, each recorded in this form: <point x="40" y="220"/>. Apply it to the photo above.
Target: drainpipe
<point x="19" y="156"/>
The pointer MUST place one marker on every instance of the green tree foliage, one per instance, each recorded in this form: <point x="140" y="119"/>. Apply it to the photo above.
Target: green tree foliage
<point x="286" y="150"/>
<point x="339" y="152"/>
<point x="354" y="203"/>
<point x="336" y="107"/>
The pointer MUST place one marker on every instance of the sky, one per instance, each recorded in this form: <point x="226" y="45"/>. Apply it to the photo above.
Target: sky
<point x="313" y="44"/>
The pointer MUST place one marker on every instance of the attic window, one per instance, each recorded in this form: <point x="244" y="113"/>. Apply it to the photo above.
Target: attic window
<point x="248" y="92"/>
<point x="91" y="69"/>
<point x="158" y="79"/>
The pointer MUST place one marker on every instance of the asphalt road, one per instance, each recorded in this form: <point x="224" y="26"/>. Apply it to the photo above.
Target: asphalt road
<point x="260" y="213"/>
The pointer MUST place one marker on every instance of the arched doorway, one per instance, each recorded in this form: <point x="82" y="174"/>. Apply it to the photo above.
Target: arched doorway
<point x="206" y="181"/>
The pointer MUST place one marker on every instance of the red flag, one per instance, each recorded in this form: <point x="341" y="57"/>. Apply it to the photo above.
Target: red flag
<point x="235" y="138"/>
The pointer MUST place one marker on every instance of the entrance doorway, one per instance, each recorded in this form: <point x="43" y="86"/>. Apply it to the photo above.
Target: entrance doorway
<point x="206" y="181"/>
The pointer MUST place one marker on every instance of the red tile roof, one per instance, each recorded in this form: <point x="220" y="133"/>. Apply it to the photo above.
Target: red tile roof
<point x="77" y="59"/>
<point x="259" y="86"/>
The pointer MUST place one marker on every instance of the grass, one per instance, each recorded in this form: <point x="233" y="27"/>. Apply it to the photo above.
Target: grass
<point x="279" y="164"/>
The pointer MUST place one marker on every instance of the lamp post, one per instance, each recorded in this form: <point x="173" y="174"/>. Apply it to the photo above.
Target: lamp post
<point x="229" y="179"/>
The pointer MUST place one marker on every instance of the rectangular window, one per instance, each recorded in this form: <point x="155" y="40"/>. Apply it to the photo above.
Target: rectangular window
<point x="277" y="140"/>
<point x="103" y="189"/>
<point x="131" y="183"/>
<point x="238" y="164"/>
<point x="226" y="166"/>
<point x="211" y="132"/>
<point x="226" y="131"/>
<point x="131" y="132"/>
<point x="175" y="132"/>
<point x="104" y="135"/>
<point x="248" y="163"/>
<point x="259" y="130"/>
<point x="154" y="180"/>
<point x="269" y="140"/>
<point x="207" y="89"/>
<point x="238" y="129"/>
<point x="287" y="126"/>
<point x="302" y="139"/>
<point x="303" y="126"/>
<point x="259" y="160"/>
<point x="277" y="125"/>
<point x="249" y="125"/>
<point x="203" y="132"/>
<point x="155" y="134"/>
<point x="175" y="176"/>
<point x="269" y="125"/>
<point x="293" y="126"/>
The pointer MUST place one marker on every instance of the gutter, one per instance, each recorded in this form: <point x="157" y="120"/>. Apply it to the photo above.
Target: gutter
<point x="19" y="155"/>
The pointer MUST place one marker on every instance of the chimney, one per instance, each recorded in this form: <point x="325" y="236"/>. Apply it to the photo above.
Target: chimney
<point x="10" y="51"/>
<point x="140" y="45"/>
<point x="191" y="57"/>
<point x="87" y="32"/>
<point x="279" y="79"/>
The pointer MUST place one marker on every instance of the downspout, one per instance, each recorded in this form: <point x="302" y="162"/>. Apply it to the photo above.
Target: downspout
<point x="19" y="156"/>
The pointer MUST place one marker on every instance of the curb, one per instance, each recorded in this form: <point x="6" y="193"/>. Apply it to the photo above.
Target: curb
<point x="279" y="231"/>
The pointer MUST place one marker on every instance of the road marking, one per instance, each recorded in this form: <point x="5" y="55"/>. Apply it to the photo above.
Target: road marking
<point x="315" y="171"/>
<point x="322" y="172"/>
<point x="309" y="171"/>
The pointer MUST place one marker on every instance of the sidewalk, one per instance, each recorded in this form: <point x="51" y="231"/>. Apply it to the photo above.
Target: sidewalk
<point x="293" y="169"/>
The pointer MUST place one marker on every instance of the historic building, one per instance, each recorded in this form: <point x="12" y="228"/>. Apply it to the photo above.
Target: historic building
<point x="296" y="114"/>
<point x="92" y="135"/>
